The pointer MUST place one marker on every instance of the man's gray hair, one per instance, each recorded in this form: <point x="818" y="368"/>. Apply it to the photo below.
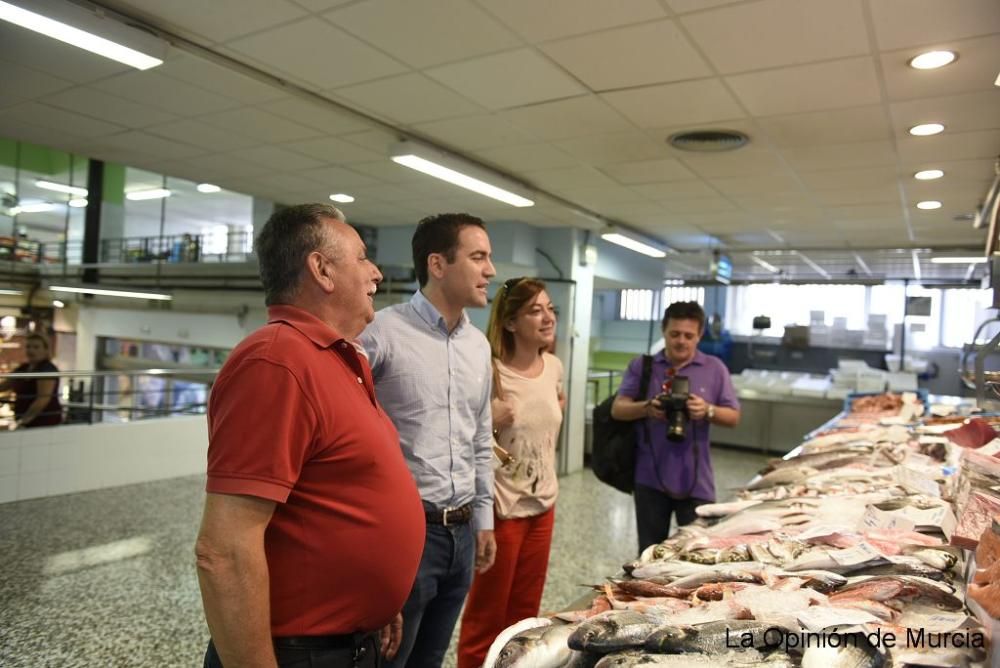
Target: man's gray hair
<point x="288" y="237"/>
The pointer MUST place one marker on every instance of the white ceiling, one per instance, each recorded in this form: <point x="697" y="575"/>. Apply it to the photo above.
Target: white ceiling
<point x="574" y="97"/>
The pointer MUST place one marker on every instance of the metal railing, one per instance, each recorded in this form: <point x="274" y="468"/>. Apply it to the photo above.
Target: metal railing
<point x="601" y="383"/>
<point x="89" y="397"/>
<point x="127" y="250"/>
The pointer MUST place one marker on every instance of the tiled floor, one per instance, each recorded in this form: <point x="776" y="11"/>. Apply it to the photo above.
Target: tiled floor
<point x="107" y="578"/>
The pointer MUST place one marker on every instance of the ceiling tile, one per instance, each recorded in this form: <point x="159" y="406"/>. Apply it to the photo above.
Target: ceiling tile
<point x="316" y="114"/>
<point x="575" y="177"/>
<point x="833" y="126"/>
<point x="648" y="171"/>
<point x="473" y="133"/>
<point x="777" y="181"/>
<point x="774" y="33"/>
<point x="221" y="80"/>
<point x="293" y="49"/>
<point x="743" y="162"/>
<point x="634" y="56"/>
<point x="165" y="94"/>
<point x="614" y="148"/>
<point x="425" y="33"/>
<point x="197" y="133"/>
<point x="506" y="80"/>
<point x="860" y="154"/>
<point x="21" y="84"/>
<point x="884" y="195"/>
<point x="860" y="177"/>
<point x="150" y="145"/>
<point x="675" y="190"/>
<point x="564" y="119"/>
<point x="698" y="205"/>
<point x="337" y="177"/>
<point x="958" y="113"/>
<point x="334" y="151"/>
<point x="259" y="124"/>
<point x="220" y="164"/>
<point x="408" y="98"/>
<point x="32" y="113"/>
<point x="976" y="64"/>
<point x="903" y="23"/>
<point x="597" y="198"/>
<point x="950" y="146"/>
<point x="955" y="171"/>
<point x="388" y="171"/>
<point x="105" y="107"/>
<point x="279" y="159"/>
<point x="215" y="20"/>
<point x="687" y="6"/>
<point x="831" y="85"/>
<point x="689" y="102"/>
<point x="540" y="21"/>
<point x="526" y="157"/>
<point x="38" y="52"/>
<point x="321" y="5"/>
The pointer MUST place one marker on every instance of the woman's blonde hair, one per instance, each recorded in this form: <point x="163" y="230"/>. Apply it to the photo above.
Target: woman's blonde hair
<point x="511" y="298"/>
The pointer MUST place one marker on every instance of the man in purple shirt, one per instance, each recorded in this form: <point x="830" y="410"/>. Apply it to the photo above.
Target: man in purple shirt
<point x="675" y="477"/>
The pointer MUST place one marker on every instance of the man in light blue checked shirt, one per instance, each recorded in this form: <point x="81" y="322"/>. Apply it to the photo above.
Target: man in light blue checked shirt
<point x="432" y="373"/>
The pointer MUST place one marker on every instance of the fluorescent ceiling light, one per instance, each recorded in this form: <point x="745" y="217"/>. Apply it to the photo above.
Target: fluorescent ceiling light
<point x="928" y="174"/>
<point x="13" y="293"/>
<point x="764" y="263"/>
<point x="208" y="188"/>
<point x="958" y="260"/>
<point x="929" y="205"/>
<point x="932" y="60"/>
<point x="111" y="293"/>
<point x="40" y="207"/>
<point x="76" y="37"/>
<point x="77" y="203"/>
<point x="155" y="193"/>
<point x="433" y="163"/>
<point x="342" y="198"/>
<point x="926" y="130"/>
<point x="58" y="303"/>
<point x="633" y="244"/>
<point x="61" y="188"/>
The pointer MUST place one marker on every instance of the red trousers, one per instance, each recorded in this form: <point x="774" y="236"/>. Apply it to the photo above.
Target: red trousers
<point x="511" y="590"/>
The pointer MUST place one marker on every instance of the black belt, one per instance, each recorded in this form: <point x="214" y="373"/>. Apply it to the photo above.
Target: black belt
<point x="449" y="516"/>
<point x="345" y="641"/>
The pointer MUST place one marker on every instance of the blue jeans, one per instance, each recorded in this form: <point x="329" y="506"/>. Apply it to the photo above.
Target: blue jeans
<point x="443" y="580"/>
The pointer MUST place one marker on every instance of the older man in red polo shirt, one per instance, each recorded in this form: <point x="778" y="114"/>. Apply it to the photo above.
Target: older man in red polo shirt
<point x="313" y="527"/>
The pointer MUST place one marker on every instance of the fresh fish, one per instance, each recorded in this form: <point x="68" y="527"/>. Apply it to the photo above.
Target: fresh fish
<point x="853" y="651"/>
<point x="941" y="558"/>
<point x="723" y="509"/>
<point x="612" y="631"/>
<point x="746" y="659"/>
<point x="787" y="476"/>
<point x="875" y="608"/>
<point x="540" y="647"/>
<point x="719" y="575"/>
<point x="713" y="611"/>
<point x="508" y="633"/>
<point x="710" y="638"/>
<point x="821" y="581"/>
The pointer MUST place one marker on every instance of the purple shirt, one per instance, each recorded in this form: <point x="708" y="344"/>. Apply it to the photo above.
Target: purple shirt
<point x="668" y="466"/>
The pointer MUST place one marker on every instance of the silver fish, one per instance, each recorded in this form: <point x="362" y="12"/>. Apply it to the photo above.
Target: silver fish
<point x="853" y="651"/>
<point x="745" y="659"/>
<point x="610" y="631"/>
<point x="541" y="647"/>
<point x="711" y="637"/>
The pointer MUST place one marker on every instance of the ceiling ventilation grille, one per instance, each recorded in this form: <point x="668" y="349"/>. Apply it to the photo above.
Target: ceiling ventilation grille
<point x="708" y="141"/>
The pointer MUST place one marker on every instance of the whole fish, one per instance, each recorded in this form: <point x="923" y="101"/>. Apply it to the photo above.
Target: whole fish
<point x="540" y="647"/>
<point x="501" y="640"/>
<point x="612" y="631"/>
<point x="853" y="651"/>
<point x="710" y="638"/>
<point x="746" y="659"/>
<point x="787" y="476"/>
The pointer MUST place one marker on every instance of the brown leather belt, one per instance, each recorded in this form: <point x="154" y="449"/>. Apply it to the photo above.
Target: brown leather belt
<point x="449" y="516"/>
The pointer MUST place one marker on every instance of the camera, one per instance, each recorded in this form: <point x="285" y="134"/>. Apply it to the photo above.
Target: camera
<point x="675" y="406"/>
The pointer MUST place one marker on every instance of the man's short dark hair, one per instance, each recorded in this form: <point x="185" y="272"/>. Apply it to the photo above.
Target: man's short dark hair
<point x="439" y="234"/>
<point x="288" y="237"/>
<point x="684" y="311"/>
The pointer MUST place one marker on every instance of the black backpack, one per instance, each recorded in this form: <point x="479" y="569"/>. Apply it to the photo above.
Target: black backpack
<point x="612" y="457"/>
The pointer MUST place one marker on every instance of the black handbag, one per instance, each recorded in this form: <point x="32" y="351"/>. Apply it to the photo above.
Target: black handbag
<point x="612" y="456"/>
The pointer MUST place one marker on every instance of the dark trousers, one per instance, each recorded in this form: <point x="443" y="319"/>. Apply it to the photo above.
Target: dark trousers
<point x="430" y="613"/>
<point x="365" y="655"/>
<point x="653" y="510"/>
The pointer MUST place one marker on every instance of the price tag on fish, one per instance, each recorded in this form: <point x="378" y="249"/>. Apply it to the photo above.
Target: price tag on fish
<point x="861" y="553"/>
<point x="883" y="519"/>
<point x="816" y="618"/>
<point x="917" y="481"/>
<point x="943" y="622"/>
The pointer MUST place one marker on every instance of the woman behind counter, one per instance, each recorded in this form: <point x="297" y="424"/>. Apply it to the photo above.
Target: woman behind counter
<point x="36" y="402"/>
<point x="527" y="414"/>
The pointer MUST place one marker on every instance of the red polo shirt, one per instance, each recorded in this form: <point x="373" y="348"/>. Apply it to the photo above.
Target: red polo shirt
<point x="293" y="418"/>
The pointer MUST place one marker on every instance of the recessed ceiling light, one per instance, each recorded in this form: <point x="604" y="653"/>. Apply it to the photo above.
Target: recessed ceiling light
<point x="39" y="207"/>
<point x="928" y="174"/>
<point x="61" y="188"/>
<point x="932" y="60"/>
<point x="958" y="260"/>
<point x="926" y="129"/>
<point x="58" y="303"/>
<point x="928" y="205"/>
<point x="208" y="188"/>
<point x="78" y="202"/>
<point x="155" y="193"/>
<point x="342" y="198"/>
<point x="110" y="293"/>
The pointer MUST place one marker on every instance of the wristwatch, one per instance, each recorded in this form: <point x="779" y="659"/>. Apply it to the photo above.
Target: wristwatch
<point x="710" y="413"/>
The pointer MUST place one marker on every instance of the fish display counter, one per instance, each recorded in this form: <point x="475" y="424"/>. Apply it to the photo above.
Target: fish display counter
<point x="847" y="552"/>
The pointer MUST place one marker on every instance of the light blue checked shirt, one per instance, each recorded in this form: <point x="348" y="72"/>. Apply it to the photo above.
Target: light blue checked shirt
<point x="436" y="386"/>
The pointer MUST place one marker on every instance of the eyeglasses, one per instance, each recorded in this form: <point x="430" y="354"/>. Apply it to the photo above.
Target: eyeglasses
<point x="510" y="283"/>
